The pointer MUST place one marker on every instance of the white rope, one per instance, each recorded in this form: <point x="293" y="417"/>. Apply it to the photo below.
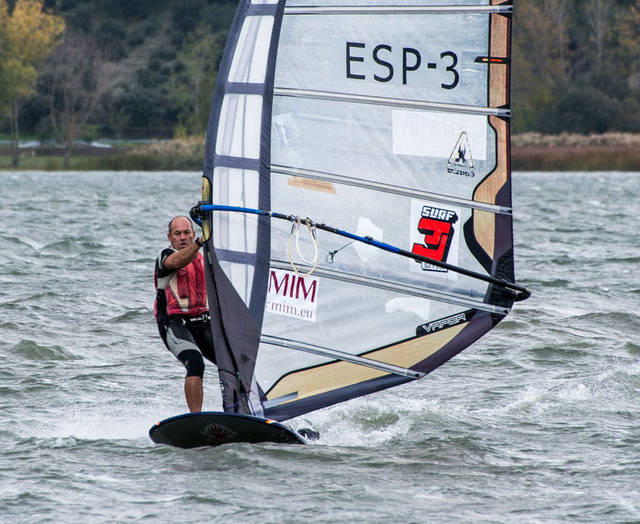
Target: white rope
<point x="312" y="232"/>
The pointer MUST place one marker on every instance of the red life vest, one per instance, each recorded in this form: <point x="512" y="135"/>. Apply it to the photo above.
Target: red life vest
<point x="186" y="290"/>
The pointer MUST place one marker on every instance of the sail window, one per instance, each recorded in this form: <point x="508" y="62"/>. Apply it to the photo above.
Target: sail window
<point x="241" y="276"/>
<point x="239" y="127"/>
<point x="236" y="187"/>
<point x="252" y="51"/>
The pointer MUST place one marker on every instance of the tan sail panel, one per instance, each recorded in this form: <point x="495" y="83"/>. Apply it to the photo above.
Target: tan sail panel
<point x="335" y="375"/>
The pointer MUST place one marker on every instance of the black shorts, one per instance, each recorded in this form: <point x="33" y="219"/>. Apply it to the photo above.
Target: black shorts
<point x="182" y="334"/>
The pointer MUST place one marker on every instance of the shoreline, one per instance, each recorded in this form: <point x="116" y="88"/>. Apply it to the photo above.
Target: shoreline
<point x="529" y="152"/>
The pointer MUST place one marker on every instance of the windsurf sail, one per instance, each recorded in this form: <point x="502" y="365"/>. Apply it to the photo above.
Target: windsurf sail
<point x="385" y="126"/>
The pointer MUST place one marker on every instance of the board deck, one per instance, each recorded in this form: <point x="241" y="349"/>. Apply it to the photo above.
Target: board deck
<point x="213" y="428"/>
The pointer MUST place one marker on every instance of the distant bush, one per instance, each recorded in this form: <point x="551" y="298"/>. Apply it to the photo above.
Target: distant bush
<point x="581" y="110"/>
<point x="149" y="28"/>
<point x="135" y="39"/>
<point x="175" y="155"/>
<point x="164" y="54"/>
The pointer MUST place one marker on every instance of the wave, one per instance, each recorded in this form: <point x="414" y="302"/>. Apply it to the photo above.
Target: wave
<point x="129" y="316"/>
<point x="70" y="246"/>
<point x="632" y="348"/>
<point x="619" y="321"/>
<point x="31" y="350"/>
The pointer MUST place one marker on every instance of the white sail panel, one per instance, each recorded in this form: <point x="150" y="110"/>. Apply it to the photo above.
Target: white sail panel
<point x="394" y="215"/>
<point x="419" y="57"/>
<point x="348" y="89"/>
<point x="360" y="141"/>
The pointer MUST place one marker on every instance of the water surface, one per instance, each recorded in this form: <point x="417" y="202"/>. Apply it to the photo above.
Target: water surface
<point x="538" y="421"/>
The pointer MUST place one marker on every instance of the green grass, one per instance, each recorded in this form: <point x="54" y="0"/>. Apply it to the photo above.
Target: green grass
<point x="124" y="162"/>
<point x="38" y="163"/>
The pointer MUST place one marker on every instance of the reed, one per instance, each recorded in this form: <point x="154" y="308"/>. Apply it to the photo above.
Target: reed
<point x="622" y="140"/>
<point x="530" y="152"/>
<point x="176" y="155"/>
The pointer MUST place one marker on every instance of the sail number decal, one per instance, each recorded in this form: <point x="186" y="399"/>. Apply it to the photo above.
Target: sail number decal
<point x="434" y="235"/>
<point x="411" y="60"/>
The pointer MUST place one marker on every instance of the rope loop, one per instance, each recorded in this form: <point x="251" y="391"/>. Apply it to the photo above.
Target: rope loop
<point x="295" y="230"/>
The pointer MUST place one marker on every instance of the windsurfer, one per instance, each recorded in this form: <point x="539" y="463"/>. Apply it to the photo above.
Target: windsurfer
<point x="181" y="308"/>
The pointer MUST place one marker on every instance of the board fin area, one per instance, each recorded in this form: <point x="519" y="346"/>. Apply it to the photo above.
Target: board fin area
<point x="214" y="428"/>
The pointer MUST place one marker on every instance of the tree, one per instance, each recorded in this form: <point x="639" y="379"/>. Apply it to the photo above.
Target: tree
<point x="27" y="36"/>
<point x="191" y="90"/>
<point x="599" y="13"/>
<point x="79" y="74"/>
<point x="540" y="67"/>
<point x="629" y="42"/>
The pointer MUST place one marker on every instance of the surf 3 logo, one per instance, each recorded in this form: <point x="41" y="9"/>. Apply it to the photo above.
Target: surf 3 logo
<point x="436" y="225"/>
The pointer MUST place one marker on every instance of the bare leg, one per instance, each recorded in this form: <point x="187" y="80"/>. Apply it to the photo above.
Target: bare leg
<point x="193" y="392"/>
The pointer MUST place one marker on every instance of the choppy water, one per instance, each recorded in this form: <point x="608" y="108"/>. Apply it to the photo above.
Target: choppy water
<point x="539" y="421"/>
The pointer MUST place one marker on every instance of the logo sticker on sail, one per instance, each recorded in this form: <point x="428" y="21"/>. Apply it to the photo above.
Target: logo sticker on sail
<point x="444" y="323"/>
<point x="435" y="233"/>
<point x="460" y="160"/>
<point x="292" y="295"/>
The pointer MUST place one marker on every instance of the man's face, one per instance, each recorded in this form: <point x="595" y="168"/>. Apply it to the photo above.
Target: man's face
<point x="181" y="234"/>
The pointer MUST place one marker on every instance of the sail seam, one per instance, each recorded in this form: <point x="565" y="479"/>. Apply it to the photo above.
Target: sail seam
<point x="390" y="102"/>
<point x="237" y="162"/>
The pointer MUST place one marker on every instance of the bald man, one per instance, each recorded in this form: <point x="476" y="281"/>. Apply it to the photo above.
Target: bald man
<point x="181" y="307"/>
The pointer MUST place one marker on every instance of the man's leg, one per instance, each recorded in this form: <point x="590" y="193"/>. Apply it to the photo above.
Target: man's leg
<point x="194" y="393"/>
<point x="180" y="342"/>
<point x="193" y="390"/>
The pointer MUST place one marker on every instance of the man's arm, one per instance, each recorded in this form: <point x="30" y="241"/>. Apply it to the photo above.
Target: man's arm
<point x="182" y="258"/>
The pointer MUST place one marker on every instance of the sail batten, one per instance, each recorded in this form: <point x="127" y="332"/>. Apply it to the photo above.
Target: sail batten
<point x="449" y="297"/>
<point x="339" y="355"/>
<point x="388" y="119"/>
<point x="388" y="188"/>
<point x="397" y="9"/>
<point x="390" y="102"/>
